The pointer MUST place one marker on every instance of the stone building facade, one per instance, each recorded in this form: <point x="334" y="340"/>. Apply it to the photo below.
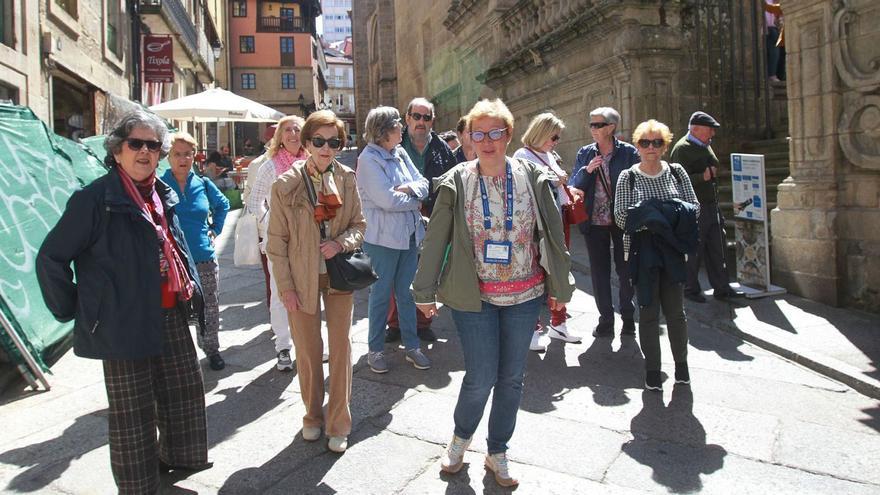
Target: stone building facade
<point x="826" y="237"/>
<point x="664" y="60"/>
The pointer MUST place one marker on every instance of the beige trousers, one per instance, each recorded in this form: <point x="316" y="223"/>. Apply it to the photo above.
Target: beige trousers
<point x="306" y="331"/>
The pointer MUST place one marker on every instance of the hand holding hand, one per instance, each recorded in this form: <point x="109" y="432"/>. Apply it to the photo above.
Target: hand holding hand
<point x="290" y="300"/>
<point x="330" y="249"/>
<point x="429" y="310"/>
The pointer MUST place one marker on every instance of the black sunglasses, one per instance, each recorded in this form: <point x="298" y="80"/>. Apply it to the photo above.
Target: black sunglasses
<point x="493" y="135"/>
<point x="657" y="143"/>
<point x="136" y="144"/>
<point x="599" y="125"/>
<point x="417" y="116"/>
<point x="319" y="142"/>
<point x="555" y="138"/>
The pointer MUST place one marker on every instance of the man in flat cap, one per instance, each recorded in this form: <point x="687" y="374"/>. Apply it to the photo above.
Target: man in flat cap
<point x="694" y="153"/>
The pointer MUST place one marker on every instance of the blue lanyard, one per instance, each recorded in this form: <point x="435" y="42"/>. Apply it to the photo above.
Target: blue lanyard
<point x="508" y="217"/>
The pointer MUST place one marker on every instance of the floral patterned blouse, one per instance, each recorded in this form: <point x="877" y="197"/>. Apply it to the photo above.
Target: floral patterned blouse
<point x="523" y="278"/>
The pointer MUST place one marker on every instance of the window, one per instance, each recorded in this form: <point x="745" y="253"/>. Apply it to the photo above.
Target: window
<point x="239" y="8"/>
<point x="7" y="35"/>
<point x="8" y="93"/>
<point x="287" y="57"/>
<point x="246" y="44"/>
<point x="288" y="81"/>
<point x="248" y="80"/>
<point x="68" y="5"/>
<point x="114" y="43"/>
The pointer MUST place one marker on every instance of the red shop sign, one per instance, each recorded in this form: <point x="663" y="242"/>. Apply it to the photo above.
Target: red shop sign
<point x="158" y="59"/>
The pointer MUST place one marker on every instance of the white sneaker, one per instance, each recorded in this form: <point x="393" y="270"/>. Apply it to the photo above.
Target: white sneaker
<point x="561" y="332"/>
<point x="497" y="463"/>
<point x="538" y="344"/>
<point x="311" y="433"/>
<point x="338" y="444"/>
<point x="453" y="458"/>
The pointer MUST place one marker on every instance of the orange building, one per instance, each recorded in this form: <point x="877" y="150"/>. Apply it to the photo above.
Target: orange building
<point x="274" y="55"/>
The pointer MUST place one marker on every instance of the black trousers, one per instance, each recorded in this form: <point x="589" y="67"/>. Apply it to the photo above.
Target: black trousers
<point x="710" y="250"/>
<point x="599" y="240"/>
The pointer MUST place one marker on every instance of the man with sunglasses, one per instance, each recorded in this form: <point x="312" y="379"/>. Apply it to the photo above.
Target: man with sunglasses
<point x="694" y="153"/>
<point x="432" y="157"/>
<point x="595" y="174"/>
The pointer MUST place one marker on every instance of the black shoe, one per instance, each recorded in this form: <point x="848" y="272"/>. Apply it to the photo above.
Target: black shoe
<point x="629" y="328"/>
<point x="166" y="468"/>
<point x="695" y="296"/>
<point x="426" y="334"/>
<point x="392" y="335"/>
<point x="217" y="362"/>
<point x="681" y="374"/>
<point x="728" y="294"/>
<point x="603" y="330"/>
<point x="653" y="380"/>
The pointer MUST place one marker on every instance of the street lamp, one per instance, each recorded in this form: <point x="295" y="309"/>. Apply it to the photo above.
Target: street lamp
<point x="216" y="48"/>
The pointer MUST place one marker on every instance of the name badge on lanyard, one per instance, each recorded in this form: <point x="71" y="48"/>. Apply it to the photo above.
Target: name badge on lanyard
<point x="497" y="252"/>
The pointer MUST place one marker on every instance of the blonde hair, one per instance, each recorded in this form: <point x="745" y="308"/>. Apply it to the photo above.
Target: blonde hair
<point x="275" y="143"/>
<point x="541" y="128"/>
<point x="186" y="138"/>
<point x="652" y="126"/>
<point x="493" y="109"/>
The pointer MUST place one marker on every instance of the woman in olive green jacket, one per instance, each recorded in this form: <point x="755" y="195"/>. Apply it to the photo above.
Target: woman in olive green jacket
<point x="496" y="218"/>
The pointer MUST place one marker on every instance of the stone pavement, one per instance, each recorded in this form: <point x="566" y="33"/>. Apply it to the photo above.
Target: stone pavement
<point x="752" y="422"/>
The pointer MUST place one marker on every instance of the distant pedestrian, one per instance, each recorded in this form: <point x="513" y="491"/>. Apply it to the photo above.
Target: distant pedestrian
<point x="391" y="191"/>
<point x="202" y="214"/>
<point x="465" y="151"/>
<point x="539" y="143"/>
<point x="316" y="214"/>
<point x="656" y="207"/>
<point x="694" y="153"/>
<point x="285" y="149"/>
<point x="596" y="170"/>
<point x="432" y="158"/>
<point x="497" y="217"/>
<point x="132" y="289"/>
<point x="451" y="139"/>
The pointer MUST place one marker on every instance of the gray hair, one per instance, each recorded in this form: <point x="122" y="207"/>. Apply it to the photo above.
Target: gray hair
<point x="422" y="102"/>
<point x="609" y="114"/>
<point x="137" y="118"/>
<point x="380" y="120"/>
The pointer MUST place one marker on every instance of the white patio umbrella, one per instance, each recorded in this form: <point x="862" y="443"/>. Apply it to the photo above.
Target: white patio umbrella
<point x="216" y="105"/>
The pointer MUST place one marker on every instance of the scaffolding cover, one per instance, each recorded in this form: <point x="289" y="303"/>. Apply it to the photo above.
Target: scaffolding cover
<point x="39" y="170"/>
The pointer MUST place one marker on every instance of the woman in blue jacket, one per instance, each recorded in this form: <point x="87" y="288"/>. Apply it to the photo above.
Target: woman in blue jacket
<point x="202" y="213"/>
<point x="134" y="287"/>
<point x="392" y="191"/>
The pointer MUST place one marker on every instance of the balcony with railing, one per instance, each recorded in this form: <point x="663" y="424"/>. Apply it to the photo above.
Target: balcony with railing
<point x="281" y="25"/>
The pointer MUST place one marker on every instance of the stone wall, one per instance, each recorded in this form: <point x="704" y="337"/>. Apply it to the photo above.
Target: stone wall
<point x="826" y="237"/>
<point x="375" y="57"/>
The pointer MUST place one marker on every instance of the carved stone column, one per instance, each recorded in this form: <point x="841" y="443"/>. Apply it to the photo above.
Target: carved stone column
<point x="826" y="228"/>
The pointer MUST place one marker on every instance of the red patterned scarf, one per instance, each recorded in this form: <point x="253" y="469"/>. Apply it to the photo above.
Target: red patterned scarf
<point x="284" y="159"/>
<point x="328" y="199"/>
<point x="147" y="199"/>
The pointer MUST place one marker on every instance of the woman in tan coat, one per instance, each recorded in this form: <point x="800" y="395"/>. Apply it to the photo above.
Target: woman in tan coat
<point x="317" y="191"/>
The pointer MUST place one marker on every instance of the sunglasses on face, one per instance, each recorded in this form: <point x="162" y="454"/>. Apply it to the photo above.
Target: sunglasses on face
<point x="493" y="135"/>
<point x="136" y="144"/>
<point x="657" y="143"/>
<point x="417" y="116"/>
<point x="319" y="142"/>
<point x="555" y="138"/>
<point x="599" y="125"/>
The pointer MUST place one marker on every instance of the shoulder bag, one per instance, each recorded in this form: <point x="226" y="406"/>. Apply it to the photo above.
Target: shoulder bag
<point x="574" y="211"/>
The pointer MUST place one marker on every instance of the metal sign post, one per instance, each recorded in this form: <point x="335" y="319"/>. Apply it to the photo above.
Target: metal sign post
<point x="750" y="218"/>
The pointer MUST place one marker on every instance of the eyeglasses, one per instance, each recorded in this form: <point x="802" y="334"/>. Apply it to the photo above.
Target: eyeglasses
<point x="136" y="144"/>
<point x="493" y="135"/>
<point x="599" y="125"/>
<point x="555" y="138"/>
<point x="319" y="142"/>
<point x="657" y="143"/>
<point x="417" y="116"/>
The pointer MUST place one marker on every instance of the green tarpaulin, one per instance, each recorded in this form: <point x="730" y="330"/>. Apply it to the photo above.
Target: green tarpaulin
<point x="39" y="170"/>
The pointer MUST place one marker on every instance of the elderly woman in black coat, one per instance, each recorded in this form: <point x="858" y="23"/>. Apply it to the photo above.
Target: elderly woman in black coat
<point x="130" y="293"/>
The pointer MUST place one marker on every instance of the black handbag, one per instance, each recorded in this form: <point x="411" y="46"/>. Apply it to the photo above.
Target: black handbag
<point x="350" y="271"/>
<point x="347" y="271"/>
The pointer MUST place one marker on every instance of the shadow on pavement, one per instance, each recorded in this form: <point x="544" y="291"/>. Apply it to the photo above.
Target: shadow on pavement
<point x="672" y="441"/>
<point x="87" y="433"/>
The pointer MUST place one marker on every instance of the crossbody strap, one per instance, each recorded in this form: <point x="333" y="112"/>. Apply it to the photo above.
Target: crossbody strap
<point x="313" y="199"/>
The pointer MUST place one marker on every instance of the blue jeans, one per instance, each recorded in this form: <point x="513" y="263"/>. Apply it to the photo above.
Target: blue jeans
<point x="396" y="269"/>
<point x="495" y="342"/>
